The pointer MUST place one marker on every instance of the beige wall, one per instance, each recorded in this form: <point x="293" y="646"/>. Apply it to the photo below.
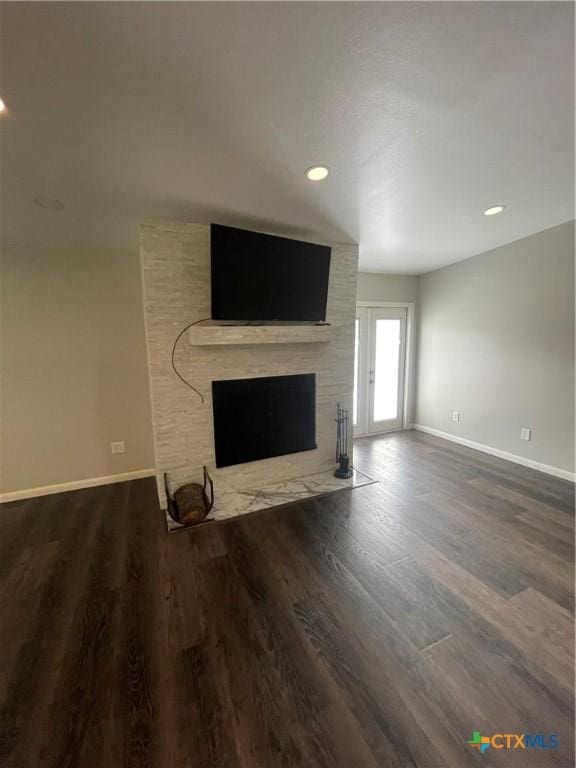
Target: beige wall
<point x="496" y="342"/>
<point x="74" y="371"/>
<point x="379" y="287"/>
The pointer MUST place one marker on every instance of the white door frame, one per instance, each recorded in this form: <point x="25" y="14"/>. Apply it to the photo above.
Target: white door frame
<point x="362" y="315"/>
<point x="410" y="353"/>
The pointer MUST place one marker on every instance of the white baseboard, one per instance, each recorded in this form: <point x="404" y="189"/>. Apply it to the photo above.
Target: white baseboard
<point x="90" y="482"/>
<point x="549" y="470"/>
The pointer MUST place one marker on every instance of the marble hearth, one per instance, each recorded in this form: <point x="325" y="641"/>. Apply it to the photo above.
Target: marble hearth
<point x="232" y="502"/>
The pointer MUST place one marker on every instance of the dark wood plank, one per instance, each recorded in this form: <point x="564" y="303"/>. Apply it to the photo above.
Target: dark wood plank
<point x="367" y="628"/>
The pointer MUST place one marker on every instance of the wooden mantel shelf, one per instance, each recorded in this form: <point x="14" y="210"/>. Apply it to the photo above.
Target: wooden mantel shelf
<point x="218" y="335"/>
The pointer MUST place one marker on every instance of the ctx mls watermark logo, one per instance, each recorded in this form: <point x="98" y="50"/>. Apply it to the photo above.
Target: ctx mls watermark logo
<point x="513" y="741"/>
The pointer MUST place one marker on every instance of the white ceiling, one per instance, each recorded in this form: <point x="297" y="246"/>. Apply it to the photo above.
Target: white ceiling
<point x="427" y="113"/>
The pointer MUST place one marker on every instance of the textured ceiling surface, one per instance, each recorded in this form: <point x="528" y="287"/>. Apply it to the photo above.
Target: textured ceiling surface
<point x="427" y="113"/>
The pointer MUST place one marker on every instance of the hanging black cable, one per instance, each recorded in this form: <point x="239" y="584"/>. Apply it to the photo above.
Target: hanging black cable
<point x="176" y="371"/>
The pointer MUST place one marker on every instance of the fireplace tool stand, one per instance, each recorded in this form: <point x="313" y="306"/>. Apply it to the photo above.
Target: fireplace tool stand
<point x="344" y="469"/>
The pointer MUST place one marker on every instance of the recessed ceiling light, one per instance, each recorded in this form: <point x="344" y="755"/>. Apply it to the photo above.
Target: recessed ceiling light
<point x="2" y="106"/>
<point x="49" y="202"/>
<point x="494" y="210"/>
<point x="317" y="172"/>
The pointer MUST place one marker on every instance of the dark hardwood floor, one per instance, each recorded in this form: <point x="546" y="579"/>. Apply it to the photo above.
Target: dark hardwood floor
<point x="375" y="627"/>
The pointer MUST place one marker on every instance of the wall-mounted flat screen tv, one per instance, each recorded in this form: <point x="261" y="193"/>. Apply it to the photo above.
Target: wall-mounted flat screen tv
<point x="261" y="278"/>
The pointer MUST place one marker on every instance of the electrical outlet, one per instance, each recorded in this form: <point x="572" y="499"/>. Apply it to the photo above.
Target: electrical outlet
<point x="118" y="446"/>
<point x="455" y="415"/>
<point x="525" y="434"/>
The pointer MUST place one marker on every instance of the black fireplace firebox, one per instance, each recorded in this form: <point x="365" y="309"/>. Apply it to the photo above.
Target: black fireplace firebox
<point x="264" y="417"/>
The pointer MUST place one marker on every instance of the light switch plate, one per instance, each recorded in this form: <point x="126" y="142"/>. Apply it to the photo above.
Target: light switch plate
<point x="525" y="433"/>
<point x="455" y="415"/>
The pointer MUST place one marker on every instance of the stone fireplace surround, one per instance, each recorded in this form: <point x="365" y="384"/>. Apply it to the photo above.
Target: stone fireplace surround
<point x="175" y="263"/>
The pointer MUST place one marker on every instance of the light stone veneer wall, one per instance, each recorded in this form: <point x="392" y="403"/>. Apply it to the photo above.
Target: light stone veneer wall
<point x="175" y="260"/>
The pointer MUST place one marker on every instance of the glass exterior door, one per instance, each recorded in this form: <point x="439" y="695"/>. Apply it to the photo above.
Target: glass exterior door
<point x="379" y="369"/>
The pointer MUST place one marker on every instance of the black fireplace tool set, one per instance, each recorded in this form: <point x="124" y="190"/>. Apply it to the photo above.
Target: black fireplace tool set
<point x="344" y="469"/>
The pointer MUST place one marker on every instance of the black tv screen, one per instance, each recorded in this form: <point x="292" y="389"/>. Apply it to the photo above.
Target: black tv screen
<point x="264" y="417"/>
<point x="265" y="278"/>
